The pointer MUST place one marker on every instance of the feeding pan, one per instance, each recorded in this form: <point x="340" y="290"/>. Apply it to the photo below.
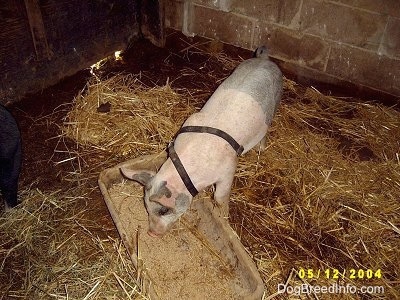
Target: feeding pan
<point x="201" y="257"/>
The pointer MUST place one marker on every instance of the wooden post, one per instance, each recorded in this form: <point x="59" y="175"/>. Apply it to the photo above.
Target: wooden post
<point x="37" y="30"/>
<point x="152" y="21"/>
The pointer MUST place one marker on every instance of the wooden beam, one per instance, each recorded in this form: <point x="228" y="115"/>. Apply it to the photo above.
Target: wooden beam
<point x="38" y="31"/>
<point x="152" y="21"/>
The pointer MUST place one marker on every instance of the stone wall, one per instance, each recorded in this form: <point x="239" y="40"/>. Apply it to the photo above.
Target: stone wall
<point x="337" y="41"/>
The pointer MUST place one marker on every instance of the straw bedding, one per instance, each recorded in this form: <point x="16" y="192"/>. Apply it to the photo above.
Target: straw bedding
<point x="54" y="253"/>
<point x="323" y="195"/>
<point x="141" y="120"/>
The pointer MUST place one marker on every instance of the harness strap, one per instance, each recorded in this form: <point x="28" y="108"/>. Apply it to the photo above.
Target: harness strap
<point x="215" y="131"/>
<point x="181" y="170"/>
<point x="178" y="163"/>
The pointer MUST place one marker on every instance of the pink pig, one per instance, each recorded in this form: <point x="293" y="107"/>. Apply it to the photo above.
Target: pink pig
<point x="241" y="110"/>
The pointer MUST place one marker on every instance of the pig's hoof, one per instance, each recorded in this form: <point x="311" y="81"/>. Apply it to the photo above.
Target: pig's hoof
<point x="224" y="210"/>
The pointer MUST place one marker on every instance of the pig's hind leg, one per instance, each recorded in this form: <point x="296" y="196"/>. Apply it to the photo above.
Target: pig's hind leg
<point x="223" y="191"/>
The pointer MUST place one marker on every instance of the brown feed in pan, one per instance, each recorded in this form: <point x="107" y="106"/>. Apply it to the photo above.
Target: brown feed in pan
<point x="179" y="265"/>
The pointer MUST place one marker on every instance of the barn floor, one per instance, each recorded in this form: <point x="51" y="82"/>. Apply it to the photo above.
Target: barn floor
<point x="64" y="174"/>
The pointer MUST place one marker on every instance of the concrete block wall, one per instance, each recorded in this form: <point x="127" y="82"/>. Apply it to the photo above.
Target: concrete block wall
<point x="355" y="41"/>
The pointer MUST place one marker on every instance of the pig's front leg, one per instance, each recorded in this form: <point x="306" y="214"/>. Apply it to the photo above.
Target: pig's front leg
<point x="263" y="143"/>
<point x="223" y="191"/>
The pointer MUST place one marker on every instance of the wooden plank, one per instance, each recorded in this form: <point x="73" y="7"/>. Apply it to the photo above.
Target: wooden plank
<point x="152" y="19"/>
<point x="38" y="31"/>
<point x="43" y="41"/>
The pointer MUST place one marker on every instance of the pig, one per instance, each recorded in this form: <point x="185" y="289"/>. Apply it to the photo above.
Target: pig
<point x="10" y="158"/>
<point x="243" y="107"/>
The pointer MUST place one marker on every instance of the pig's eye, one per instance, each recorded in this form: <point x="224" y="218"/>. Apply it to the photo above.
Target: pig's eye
<point x="164" y="211"/>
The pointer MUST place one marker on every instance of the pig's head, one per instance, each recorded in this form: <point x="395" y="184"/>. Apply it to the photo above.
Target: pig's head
<point x="164" y="203"/>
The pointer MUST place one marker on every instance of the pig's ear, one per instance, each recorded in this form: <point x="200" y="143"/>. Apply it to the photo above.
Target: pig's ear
<point x="141" y="176"/>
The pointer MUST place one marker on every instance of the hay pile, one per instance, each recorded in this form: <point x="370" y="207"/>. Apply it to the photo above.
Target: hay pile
<point x="323" y="195"/>
<point x="125" y="117"/>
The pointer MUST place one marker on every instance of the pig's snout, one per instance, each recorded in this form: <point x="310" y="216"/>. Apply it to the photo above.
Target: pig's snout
<point x="156" y="233"/>
<point x="153" y="234"/>
<point x="156" y="227"/>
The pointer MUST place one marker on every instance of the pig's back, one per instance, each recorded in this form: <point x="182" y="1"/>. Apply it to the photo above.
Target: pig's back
<point x="243" y="105"/>
<point x="259" y="78"/>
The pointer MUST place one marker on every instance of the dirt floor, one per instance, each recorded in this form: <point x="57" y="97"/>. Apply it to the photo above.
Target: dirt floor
<point x="48" y="164"/>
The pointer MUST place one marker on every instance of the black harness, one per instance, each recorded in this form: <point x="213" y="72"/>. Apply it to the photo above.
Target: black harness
<point x="178" y="163"/>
